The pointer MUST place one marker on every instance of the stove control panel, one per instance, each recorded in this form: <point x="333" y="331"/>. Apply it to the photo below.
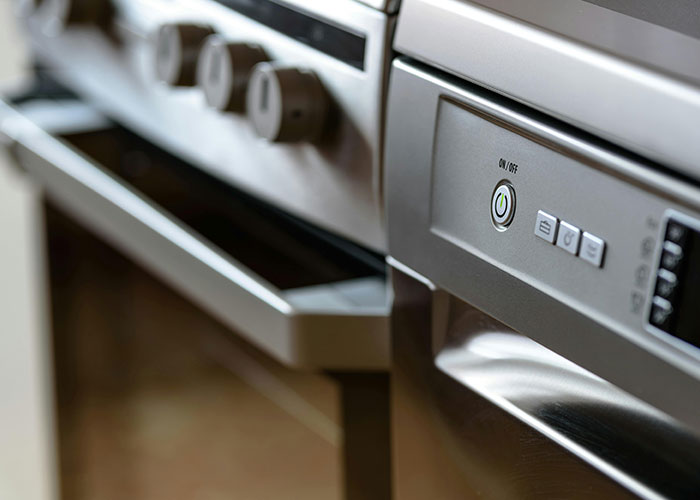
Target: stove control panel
<point x="283" y="99"/>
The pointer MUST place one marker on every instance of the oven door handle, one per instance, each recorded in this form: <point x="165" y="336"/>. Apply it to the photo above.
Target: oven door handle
<point x="323" y="327"/>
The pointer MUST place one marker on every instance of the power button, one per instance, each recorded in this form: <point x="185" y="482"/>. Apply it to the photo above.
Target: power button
<point x="503" y="205"/>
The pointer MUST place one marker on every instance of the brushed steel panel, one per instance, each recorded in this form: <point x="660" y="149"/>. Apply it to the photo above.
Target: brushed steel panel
<point x="335" y="183"/>
<point x="480" y="411"/>
<point x="626" y="80"/>
<point x="438" y="199"/>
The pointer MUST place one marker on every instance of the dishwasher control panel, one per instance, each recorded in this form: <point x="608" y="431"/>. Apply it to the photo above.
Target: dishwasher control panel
<point x="587" y="249"/>
<point x="569" y="226"/>
<point x="676" y="295"/>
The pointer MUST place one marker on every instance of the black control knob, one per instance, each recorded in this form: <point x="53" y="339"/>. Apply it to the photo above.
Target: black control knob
<point x="286" y="104"/>
<point x="177" y="52"/>
<point x="60" y="14"/>
<point x="224" y="71"/>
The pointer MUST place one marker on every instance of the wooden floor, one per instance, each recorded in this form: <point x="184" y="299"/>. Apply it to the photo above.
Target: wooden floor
<point x="158" y="401"/>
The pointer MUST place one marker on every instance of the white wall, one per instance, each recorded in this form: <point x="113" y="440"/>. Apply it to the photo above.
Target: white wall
<point x="27" y="469"/>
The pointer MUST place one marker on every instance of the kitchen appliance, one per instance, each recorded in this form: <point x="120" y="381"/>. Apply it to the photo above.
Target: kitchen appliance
<point x="308" y="300"/>
<point x="326" y="70"/>
<point x="542" y="211"/>
<point x="232" y="149"/>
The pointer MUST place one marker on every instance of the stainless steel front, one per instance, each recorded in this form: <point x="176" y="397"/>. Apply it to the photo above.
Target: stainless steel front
<point x="335" y="326"/>
<point x="479" y="410"/>
<point x="624" y="79"/>
<point x="441" y="172"/>
<point x="334" y="183"/>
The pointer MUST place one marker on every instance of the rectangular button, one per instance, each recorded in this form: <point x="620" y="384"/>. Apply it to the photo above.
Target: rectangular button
<point x="661" y="314"/>
<point x="671" y="257"/>
<point x="546" y="226"/>
<point x="568" y="237"/>
<point x="666" y="285"/>
<point x="592" y="249"/>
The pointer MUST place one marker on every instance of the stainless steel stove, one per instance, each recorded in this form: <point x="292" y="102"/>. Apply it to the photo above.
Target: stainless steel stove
<point x="528" y="171"/>
<point x="326" y="71"/>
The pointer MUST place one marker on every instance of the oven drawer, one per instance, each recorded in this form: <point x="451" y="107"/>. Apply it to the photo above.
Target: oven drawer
<point x="281" y="285"/>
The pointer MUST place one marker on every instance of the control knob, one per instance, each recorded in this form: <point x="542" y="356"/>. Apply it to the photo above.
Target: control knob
<point x="177" y="52"/>
<point x="224" y="71"/>
<point x="286" y="104"/>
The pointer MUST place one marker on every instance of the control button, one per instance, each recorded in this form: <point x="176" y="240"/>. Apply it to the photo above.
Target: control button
<point x="592" y="249"/>
<point x="286" y="104"/>
<point x="546" y="226"/>
<point x="568" y="237"/>
<point x="676" y="233"/>
<point x="177" y="52"/>
<point x="224" y="70"/>
<point x="671" y="257"/>
<point x="503" y="205"/>
<point x="666" y="285"/>
<point x="661" y="315"/>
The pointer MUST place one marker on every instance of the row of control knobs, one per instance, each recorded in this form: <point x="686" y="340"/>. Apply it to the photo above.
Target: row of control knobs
<point x="284" y="104"/>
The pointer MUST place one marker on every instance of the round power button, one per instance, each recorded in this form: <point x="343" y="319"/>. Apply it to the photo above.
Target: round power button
<point x="503" y="205"/>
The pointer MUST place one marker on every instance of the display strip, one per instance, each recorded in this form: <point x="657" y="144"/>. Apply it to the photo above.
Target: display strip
<point x="329" y="39"/>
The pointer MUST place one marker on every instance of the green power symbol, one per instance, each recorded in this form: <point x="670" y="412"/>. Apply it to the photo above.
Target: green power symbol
<point x="500" y="200"/>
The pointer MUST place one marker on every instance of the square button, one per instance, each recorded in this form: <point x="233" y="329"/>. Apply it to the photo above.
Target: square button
<point x="546" y="226"/>
<point x="569" y="237"/>
<point x="592" y="249"/>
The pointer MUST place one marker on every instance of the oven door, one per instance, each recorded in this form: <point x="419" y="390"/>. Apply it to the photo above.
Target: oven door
<point x="481" y="411"/>
<point x="300" y="303"/>
<point x="299" y="298"/>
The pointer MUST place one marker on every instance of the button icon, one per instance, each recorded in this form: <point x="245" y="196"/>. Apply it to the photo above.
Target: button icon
<point x="647" y="248"/>
<point x="636" y="302"/>
<point x="569" y="237"/>
<point x="546" y="226"/>
<point x="503" y="205"/>
<point x="641" y="274"/>
<point x="592" y="249"/>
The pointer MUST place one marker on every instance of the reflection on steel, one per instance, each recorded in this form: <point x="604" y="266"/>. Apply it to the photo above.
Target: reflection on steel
<point x="613" y="431"/>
